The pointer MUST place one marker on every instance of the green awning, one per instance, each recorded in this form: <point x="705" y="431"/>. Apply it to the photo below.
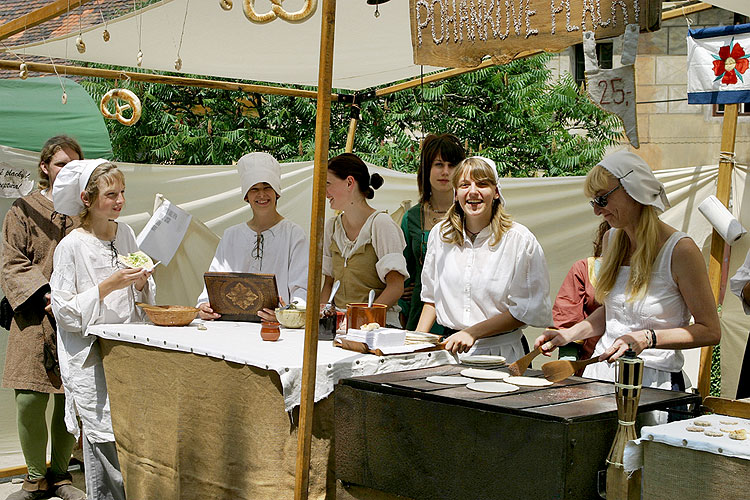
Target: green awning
<point x="31" y="111"/>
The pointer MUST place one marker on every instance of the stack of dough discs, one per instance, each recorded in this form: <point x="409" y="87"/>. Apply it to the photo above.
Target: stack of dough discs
<point x="492" y="387"/>
<point x="482" y="360"/>
<point x="449" y="380"/>
<point x="484" y="374"/>
<point x="528" y="381"/>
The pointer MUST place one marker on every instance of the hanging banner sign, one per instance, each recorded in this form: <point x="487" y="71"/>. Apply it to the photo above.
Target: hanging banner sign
<point x="14" y="181"/>
<point x="459" y="33"/>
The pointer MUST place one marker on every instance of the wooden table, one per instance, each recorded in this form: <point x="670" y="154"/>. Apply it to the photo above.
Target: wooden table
<point x="399" y="434"/>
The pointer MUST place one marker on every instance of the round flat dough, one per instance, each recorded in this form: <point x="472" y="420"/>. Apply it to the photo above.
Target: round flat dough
<point x="482" y="359"/>
<point x="528" y="381"/>
<point x="738" y="434"/>
<point x="485" y="374"/>
<point x="728" y="422"/>
<point x="713" y="433"/>
<point x="492" y="387"/>
<point x="692" y="428"/>
<point x="702" y="423"/>
<point x="449" y="380"/>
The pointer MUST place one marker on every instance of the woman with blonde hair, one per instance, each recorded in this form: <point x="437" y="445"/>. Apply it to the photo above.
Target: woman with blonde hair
<point x="484" y="277"/>
<point x="652" y="279"/>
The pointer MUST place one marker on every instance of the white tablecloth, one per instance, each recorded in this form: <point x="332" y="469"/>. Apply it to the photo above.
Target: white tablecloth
<point x="241" y="343"/>
<point x="676" y="434"/>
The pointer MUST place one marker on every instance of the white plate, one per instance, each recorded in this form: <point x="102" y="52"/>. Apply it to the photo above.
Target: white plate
<point x="482" y="359"/>
<point x="492" y="387"/>
<point x="449" y="380"/>
<point x="484" y="374"/>
<point x="528" y="381"/>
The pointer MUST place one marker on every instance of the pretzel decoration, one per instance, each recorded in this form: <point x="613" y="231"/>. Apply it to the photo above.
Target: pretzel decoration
<point x="278" y="11"/>
<point x="131" y="102"/>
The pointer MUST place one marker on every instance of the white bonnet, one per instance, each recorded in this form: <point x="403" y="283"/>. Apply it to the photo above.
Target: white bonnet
<point x="259" y="167"/>
<point x="636" y="178"/>
<point x="70" y="182"/>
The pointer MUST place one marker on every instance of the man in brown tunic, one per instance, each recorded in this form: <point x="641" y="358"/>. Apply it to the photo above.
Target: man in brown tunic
<point x="31" y="231"/>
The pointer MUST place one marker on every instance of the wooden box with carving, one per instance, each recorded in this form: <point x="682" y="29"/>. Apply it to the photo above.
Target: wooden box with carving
<point x="239" y="296"/>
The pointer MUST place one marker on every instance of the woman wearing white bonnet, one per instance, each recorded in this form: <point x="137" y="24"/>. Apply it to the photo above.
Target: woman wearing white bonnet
<point x="267" y="243"/>
<point x="652" y="280"/>
<point x="90" y="286"/>
<point x="485" y="276"/>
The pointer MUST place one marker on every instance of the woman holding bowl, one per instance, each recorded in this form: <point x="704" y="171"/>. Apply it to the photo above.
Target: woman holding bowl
<point x="652" y="280"/>
<point x="484" y="277"/>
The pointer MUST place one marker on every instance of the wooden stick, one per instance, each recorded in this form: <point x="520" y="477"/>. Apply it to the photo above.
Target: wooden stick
<point x="38" y="16"/>
<point x="314" y="275"/>
<point x="350" y="135"/>
<point x="723" y="188"/>
<point x="683" y="11"/>
<point x="111" y="74"/>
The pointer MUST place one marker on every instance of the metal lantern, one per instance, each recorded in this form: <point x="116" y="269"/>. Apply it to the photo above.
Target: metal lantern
<point x="628" y="384"/>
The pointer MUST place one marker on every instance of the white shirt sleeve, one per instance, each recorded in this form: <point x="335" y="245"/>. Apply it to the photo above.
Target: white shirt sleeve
<point x="73" y="310"/>
<point x="389" y="243"/>
<point x="327" y="238"/>
<point x="528" y="297"/>
<point x="739" y="280"/>
<point x="299" y="251"/>
<point x="429" y="273"/>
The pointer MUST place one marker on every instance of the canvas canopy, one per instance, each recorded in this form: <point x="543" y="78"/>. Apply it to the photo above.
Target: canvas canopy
<point x="31" y="112"/>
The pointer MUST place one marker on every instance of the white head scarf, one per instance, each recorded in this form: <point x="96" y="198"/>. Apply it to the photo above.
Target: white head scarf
<point x="70" y="183"/>
<point x="497" y="177"/>
<point x="636" y="178"/>
<point x="259" y="167"/>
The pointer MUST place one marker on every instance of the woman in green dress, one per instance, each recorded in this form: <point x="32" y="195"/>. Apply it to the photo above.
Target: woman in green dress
<point x="438" y="159"/>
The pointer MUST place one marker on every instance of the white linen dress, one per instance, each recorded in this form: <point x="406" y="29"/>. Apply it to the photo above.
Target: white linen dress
<point x="474" y="282"/>
<point x="284" y="254"/>
<point x="81" y="262"/>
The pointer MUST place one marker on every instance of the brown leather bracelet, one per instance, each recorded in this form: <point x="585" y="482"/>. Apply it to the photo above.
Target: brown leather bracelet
<point x="653" y="338"/>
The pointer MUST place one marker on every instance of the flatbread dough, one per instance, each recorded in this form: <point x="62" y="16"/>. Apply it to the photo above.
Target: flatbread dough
<point x="738" y="434"/>
<point x="492" y="387"/>
<point x="702" y="423"/>
<point x="713" y="433"/>
<point x="485" y="374"/>
<point x="692" y="428"/>
<point x="477" y="359"/>
<point x="449" y="380"/>
<point x="528" y="381"/>
<point x="728" y="422"/>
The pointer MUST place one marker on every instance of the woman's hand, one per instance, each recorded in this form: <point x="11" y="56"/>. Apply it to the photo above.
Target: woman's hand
<point x="408" y="291"/>
<point x="638" y="341"/>
<point x="459" y="342"/>
<point x="267" y="314"/>
<point x="206" y="313"/>
<point x="141" y="282"/>
<point x="122" y="278"/>
<point x="48" y="303"/>
<point x="551" y="339"/>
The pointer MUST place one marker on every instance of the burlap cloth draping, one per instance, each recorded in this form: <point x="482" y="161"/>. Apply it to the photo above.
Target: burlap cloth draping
<point x="211" y="429"/>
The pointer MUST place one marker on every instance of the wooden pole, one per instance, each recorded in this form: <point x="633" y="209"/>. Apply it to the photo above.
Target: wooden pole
<point x="352" y="129"/>
<point x="314" y="275"/>
<point x="723" y="187"/>
<point x="111" y="74"/>
<point x="38" y="16"/>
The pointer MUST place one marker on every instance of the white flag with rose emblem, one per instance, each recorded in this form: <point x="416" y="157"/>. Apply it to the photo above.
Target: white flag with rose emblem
<point x="717" y="65"/>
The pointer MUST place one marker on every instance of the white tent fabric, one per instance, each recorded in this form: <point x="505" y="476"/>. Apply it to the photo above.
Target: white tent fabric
<point x="368" y="51"/>
<point x="553" y="208"/>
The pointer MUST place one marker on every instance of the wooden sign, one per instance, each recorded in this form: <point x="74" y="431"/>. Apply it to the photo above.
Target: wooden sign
<point x="459" y="33"/>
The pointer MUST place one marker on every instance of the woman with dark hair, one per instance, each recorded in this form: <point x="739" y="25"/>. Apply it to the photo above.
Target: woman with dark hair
<point x="485" y="277"/>
<point x="91" y="286"/>
<point x="439" y="157"/>
<point x="31" y="231"/>
<point x="362" y="247"/>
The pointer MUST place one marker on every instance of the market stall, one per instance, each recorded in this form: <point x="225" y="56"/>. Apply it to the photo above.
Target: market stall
<point x="217" y="409"/>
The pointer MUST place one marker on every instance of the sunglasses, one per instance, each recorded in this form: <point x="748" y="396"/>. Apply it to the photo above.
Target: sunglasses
<point x="601" y="201"/>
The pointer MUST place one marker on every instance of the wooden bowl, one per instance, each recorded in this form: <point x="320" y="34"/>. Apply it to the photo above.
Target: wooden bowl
<point x="169" y="315"/>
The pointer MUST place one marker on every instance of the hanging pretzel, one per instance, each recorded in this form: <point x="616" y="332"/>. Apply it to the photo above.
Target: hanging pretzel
<point x="131" y="102"/>
<point x="278" y="11"/>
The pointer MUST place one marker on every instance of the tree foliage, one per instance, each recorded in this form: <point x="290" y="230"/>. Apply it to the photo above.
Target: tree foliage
<point x="513" y="114"/>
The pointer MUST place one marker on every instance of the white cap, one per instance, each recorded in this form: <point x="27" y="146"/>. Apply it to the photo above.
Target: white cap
<point x="636" y="178"/>
<point x="497" y="177"/>
<point x="259" y="167"/>
<point x="70" y="182"/>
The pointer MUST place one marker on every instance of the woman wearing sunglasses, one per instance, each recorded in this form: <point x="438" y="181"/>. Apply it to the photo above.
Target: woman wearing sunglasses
<point x="484" y="277"/>
<point x="652" y="280"/>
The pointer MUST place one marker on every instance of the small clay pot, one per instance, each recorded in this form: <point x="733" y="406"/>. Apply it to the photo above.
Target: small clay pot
<point x="269" y="330"/>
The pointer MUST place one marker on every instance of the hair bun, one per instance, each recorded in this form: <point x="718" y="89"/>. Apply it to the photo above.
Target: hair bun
<point x="376" y="180"/>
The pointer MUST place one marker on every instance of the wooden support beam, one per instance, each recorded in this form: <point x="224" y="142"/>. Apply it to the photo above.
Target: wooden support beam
<point x="315" y="270"/>
<point x="65" y="70"/>
<point x="350" y="135"/>
<point x="723" y="188"/>
<point x="39" y="16"/>
<point x="684" y="11"/>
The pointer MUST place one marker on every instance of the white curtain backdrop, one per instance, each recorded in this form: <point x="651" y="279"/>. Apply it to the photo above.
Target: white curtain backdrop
<point x="553" y="208"/>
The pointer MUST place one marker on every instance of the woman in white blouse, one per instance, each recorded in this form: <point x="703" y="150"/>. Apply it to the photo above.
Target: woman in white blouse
<point x="90" y="286"/>
<point x="362" y="247"/>
<point x="484" y="276"/>
<point x="652" y="280"/>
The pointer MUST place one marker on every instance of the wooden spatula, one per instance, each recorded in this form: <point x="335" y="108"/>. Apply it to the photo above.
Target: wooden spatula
<point x="523" y="363"/>
<point x="555" y="371"/>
